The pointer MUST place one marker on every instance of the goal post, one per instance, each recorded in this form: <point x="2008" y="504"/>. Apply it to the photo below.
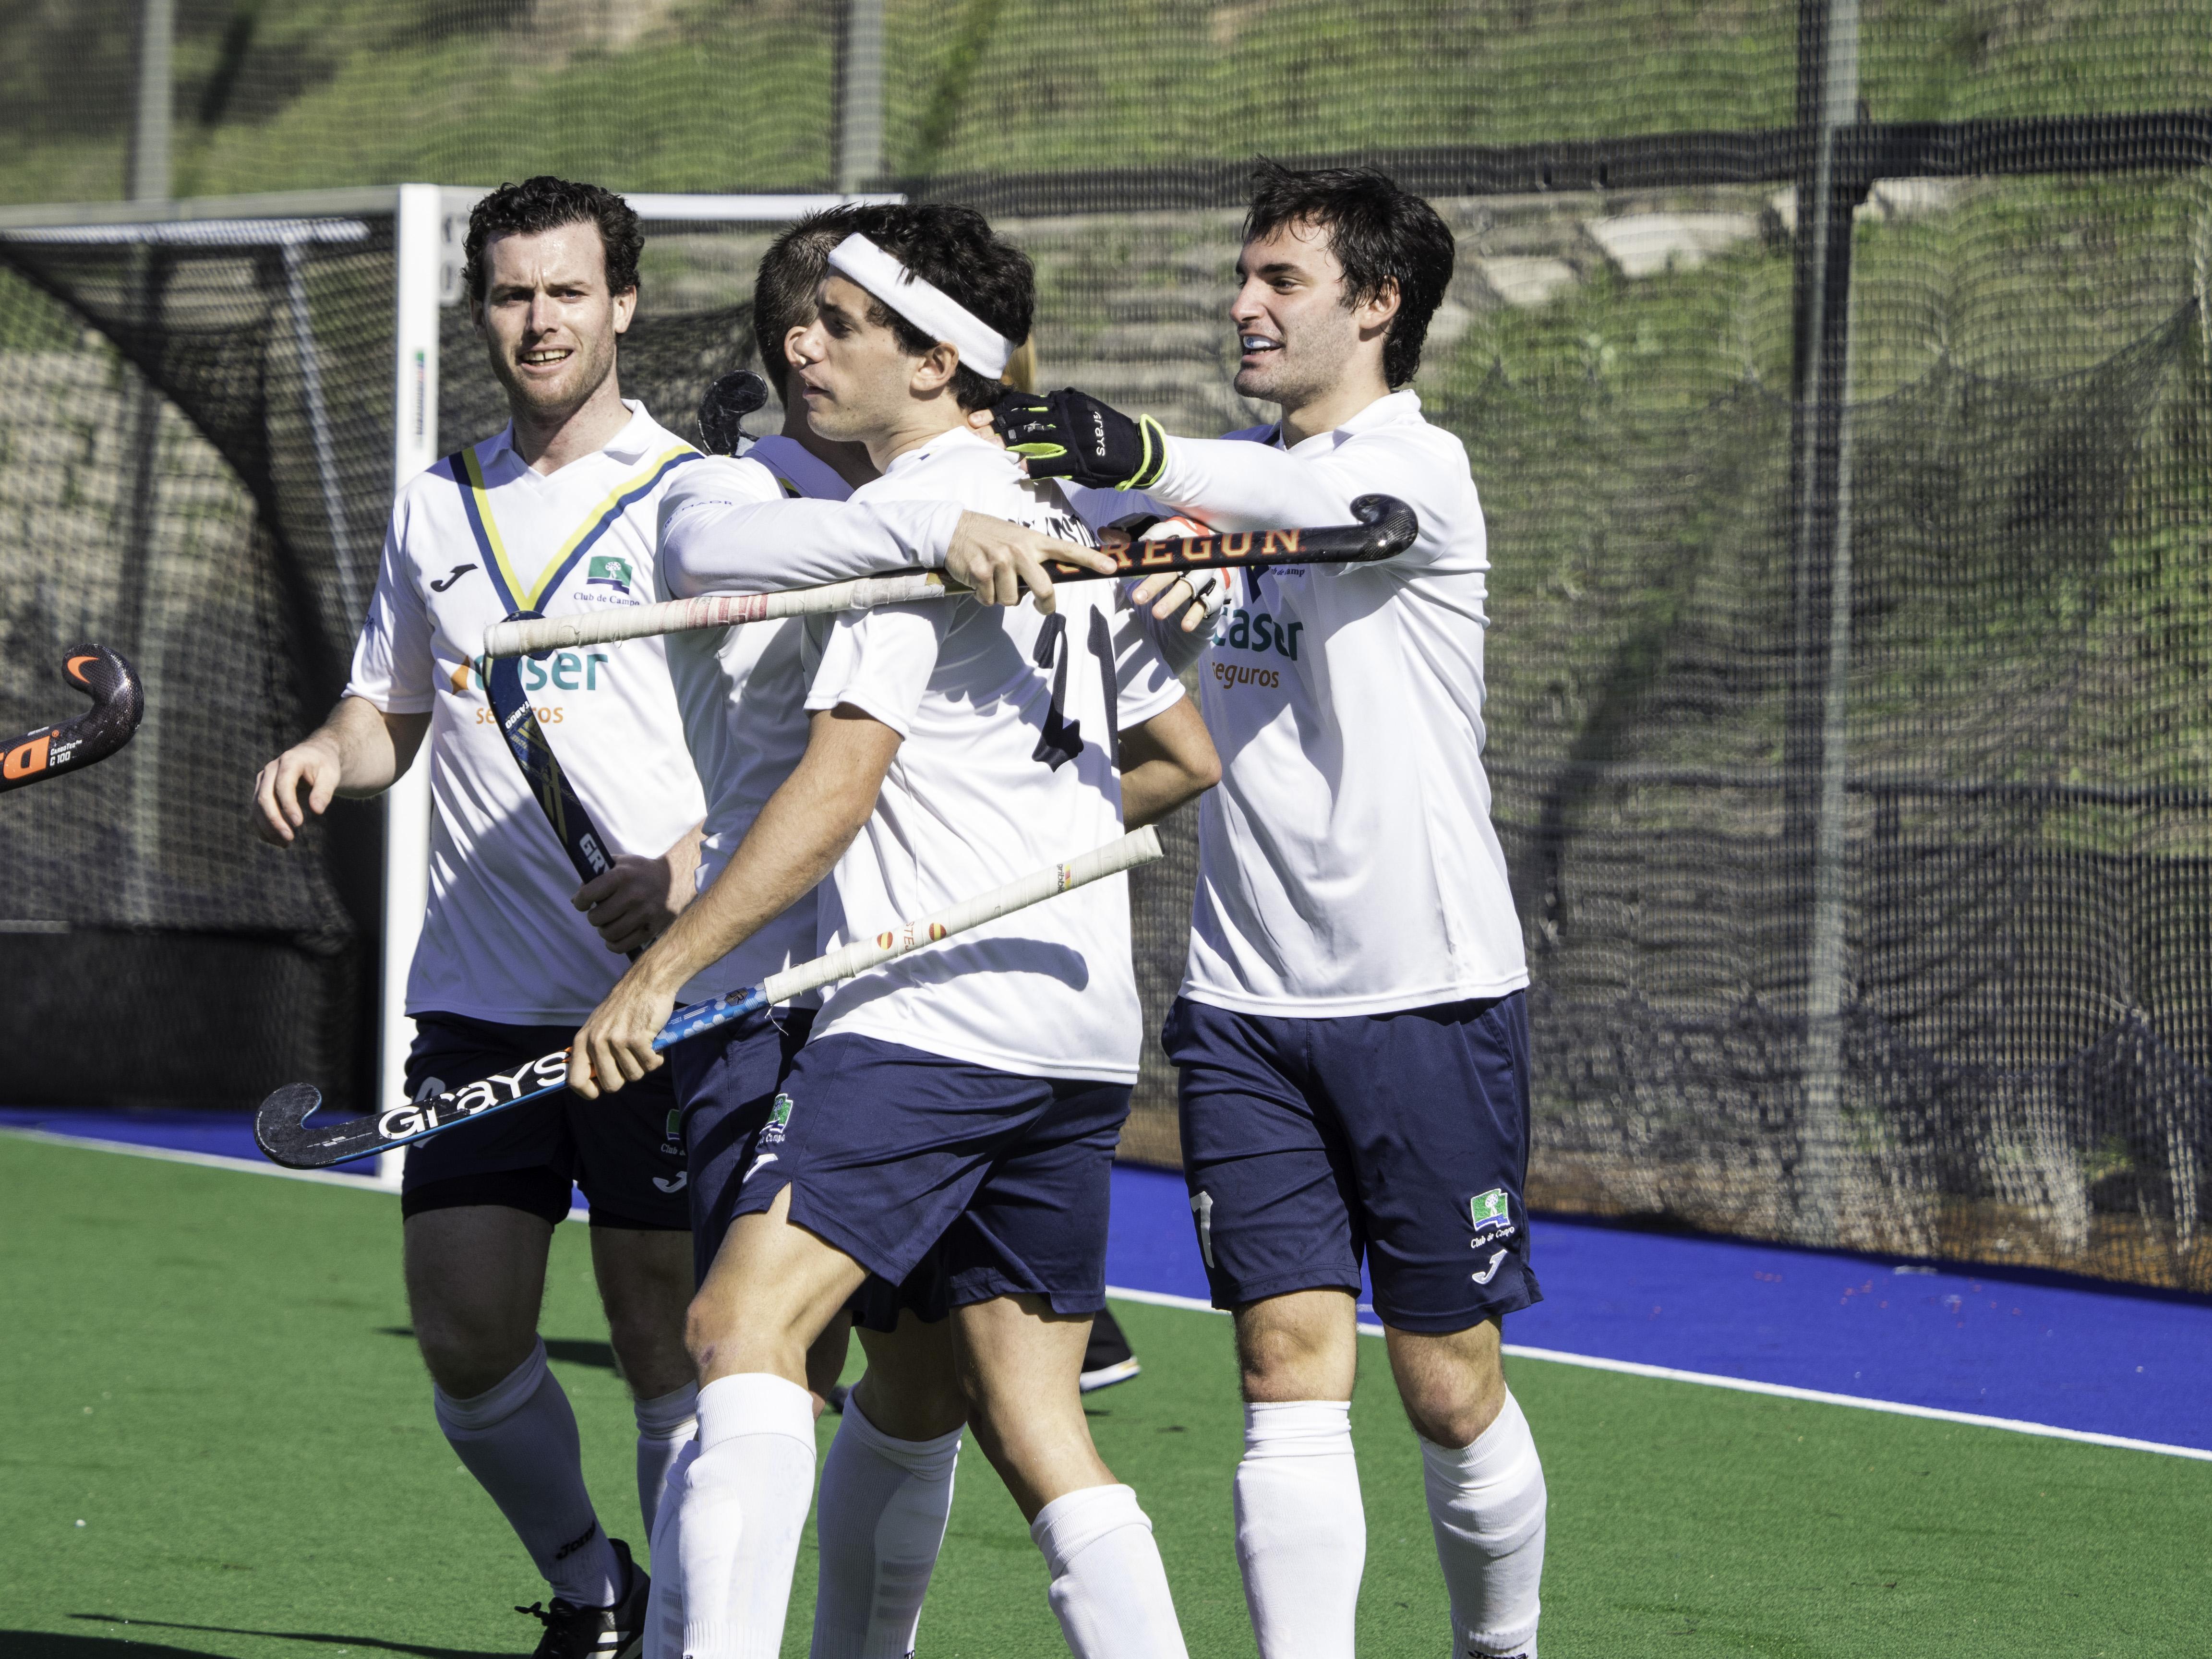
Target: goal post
<point x="266" y="271"/>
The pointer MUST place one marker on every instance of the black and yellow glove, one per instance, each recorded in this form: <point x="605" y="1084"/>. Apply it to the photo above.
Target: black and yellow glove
<point x="1069" y="435"/>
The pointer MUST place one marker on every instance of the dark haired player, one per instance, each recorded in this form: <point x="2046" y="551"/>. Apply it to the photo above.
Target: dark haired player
<point x="1352" y="1035"/>
<point x="959" y="1108"/>
<point x="768" y="520"/>
<point x="555" y="512"/>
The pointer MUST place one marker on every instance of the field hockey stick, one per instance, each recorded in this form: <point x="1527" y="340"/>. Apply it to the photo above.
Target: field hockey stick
<point x="1386" y="527"/>
<point x="281" y="1130"/>
<point x="119" y="704"/>
<point x="579" y="838"/>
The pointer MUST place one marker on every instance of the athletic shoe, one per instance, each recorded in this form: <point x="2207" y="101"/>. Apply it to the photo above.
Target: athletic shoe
<point x="615" y="1632"/>
<point x="1106" y="1360"/>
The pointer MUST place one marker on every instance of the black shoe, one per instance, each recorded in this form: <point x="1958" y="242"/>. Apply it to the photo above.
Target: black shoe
<point x="1106" y="1360"/>
<point x="615" y="1632"/>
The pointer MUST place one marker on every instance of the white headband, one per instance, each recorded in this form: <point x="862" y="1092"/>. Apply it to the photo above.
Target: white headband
<point x="927" y="307"/>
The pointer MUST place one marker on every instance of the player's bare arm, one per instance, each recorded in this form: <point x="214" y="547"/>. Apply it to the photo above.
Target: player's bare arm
<point x="1167" y="760"/>
<point x="1000" y="562"/>
<point x="800" y="834"/>
<point x="359" y="751"/>
<point x="633" y="903"/>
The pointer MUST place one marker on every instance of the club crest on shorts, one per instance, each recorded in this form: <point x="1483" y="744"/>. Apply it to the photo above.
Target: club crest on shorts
<point x="778" y="1119"/>
<point x="1489" y="1216"/>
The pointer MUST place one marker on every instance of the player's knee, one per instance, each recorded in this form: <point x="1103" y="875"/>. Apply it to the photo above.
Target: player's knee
<point x="1450" y="1404"/>
<point x="465" y="1362"/>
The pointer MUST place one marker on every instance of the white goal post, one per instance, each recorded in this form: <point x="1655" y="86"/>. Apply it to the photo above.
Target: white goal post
<point x="430" y="225"/>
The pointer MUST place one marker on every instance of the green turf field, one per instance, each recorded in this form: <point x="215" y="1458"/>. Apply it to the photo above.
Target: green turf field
<point x="220" y="1442"/>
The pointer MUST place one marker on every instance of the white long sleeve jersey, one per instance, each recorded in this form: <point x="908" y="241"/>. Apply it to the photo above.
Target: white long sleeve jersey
<point x="775" y="518"/>
<point x="1347" y="863"/>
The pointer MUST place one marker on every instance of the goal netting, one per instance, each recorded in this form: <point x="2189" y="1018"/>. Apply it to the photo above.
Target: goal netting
<point x="1846" y="454"/>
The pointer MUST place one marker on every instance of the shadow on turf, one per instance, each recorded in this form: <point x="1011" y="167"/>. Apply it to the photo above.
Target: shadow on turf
<point x="556" y="1347"/>
<point x="44" y="1644"/>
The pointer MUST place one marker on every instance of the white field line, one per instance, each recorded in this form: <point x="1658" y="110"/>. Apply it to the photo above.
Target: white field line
<point x="1163" y="1299"/>
<point x="1745" y="1385"/>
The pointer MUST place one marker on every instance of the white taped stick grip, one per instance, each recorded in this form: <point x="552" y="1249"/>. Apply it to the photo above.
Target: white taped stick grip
<point x="515" y="639"/>
<point x="1138" y="847"/>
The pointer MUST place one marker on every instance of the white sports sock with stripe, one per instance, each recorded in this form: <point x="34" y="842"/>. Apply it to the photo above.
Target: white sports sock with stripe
<point x="518" y="1439"/>
<point x="1109" y="1590"/>
<point x="665" y="1426"/>
<point x="884" y="1507"/>
<point x="1301" y="1530"/>
<point x="1486" y="1509"/>
<point x="744" y="1505"/>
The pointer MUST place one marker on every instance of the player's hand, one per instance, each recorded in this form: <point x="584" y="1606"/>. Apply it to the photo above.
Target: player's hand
<point x="1000" y="560"/>
<point x="1071" y="434"/>
<point x="1197" y="595"/>
<point x="632" y="904"/>
<point x="614" y="1046"/>
<point x="277" y="814"/>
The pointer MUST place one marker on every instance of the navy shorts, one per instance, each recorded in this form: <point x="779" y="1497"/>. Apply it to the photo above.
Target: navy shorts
<point x="727" y="1080"/>
<point x="1402" y="1136"/>
<point x="625" y="1150"/>
<point x="893" y="1154"/>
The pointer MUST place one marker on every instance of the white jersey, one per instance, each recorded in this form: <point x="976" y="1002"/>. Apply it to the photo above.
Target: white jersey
<point x="1347" y="864"/>
<point x="753" y="525"/>
<point x="1009" y="721"/>
<point x="475" y="536"/>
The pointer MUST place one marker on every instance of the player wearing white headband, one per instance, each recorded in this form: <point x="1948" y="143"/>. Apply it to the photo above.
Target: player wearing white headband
<point x="775" y="515"/>
<point x="958" y="1109"/>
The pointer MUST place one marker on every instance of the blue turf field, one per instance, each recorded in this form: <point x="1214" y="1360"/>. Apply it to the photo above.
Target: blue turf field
<point x="2034" y="1348"/>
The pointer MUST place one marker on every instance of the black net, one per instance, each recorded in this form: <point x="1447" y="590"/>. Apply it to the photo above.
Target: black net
<point x="1850" y="520"/>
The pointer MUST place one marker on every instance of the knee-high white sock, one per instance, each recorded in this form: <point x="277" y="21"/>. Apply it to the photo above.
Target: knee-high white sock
<point x="518" y="1439"/>
<point x="1301" y="1531"/>
<point x="744" y="1505"/>
<point x="1109" y="1591"/>
<point x="884" y="1506"/>
<point x="664" y="1427"/>
<point x="664" y="1604"/>
<point x="1486" y="1509"/>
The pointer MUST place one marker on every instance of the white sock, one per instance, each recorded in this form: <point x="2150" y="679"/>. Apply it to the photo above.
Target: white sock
<point x="1108" y="1590"/>
<point x="1486" y="1509"/>
<point x="884" y="1506"/>
<point x="664" y="1427"/>
<point x="664" y="1603"/>
<point x="518" y="1439"/>
<point x="744" y="1505"/>
<point x="1301" y="1531"/>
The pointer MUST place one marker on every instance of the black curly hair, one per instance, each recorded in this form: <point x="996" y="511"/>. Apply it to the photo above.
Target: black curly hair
<point x="952" y="248"/>
<point x="1381" y="234"/>
<point x="545" y="203"/>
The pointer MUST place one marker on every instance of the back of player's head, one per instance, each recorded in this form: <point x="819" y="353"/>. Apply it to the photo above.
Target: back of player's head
<point x="951" y="248"/>
<point x="545" y="203"/>
<point x="783" y="289"/>
<point x="1380" y="233"/>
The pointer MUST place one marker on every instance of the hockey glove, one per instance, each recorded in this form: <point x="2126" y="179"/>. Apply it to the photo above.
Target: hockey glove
<point x="722" y="412"/>
<point x="1068" y="434"/>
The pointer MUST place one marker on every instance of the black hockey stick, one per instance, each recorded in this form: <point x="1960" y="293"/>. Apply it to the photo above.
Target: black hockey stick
<point x="119" y="702"/>
<point x="722" y="412"/>
<point x="281" y="1128"/>
<point x="1386" y="527"/>
<point x="572" y="825"/>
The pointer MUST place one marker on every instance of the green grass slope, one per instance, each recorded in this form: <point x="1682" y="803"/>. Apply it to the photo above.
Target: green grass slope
<point x="210" y="1372"/>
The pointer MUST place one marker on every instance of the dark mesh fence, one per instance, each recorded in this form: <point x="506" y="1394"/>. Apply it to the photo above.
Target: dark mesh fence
<point x="1844" y="453"/>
